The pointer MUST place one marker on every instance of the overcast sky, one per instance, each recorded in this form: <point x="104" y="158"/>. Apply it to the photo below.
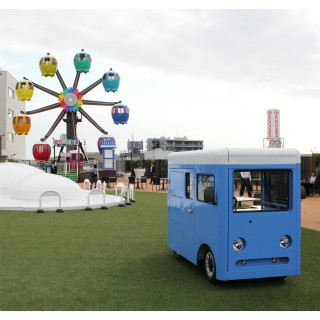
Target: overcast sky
<point x="206" y="74"/>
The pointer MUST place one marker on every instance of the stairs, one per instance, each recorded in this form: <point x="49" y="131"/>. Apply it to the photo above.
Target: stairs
<point x="70" y="175"/>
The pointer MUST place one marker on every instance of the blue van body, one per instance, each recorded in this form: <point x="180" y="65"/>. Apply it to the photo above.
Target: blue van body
<point x="196" y="226"/>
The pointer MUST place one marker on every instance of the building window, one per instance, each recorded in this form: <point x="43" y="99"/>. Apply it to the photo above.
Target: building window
<point x="10" y="114"/>
<point x="10" y="93"/>
<point x="10" y="137"/>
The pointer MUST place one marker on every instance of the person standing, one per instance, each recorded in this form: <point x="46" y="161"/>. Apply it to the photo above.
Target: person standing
<point x="94" y="176"/>
<point x="317" y="183"/>
<point x="246" y="183"/>
<point x="309" y="186"/>
<point x="54" y="168"/>
<point x="152" y="172"/>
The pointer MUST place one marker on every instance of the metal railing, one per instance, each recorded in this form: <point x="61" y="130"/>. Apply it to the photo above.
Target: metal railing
<point x="71" y="167"/>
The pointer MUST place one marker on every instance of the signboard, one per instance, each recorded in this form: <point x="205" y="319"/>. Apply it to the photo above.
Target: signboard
<point x="135" y="145"/>
<point x="67" y="142"/>
<point x="273" y="124"/>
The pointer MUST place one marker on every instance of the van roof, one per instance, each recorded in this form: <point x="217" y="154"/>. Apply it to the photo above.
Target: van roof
<point x="237" y="156"/>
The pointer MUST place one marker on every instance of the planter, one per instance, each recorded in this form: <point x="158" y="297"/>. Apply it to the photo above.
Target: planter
<point x="126" y="175"/>
<point x="139" y="172"/>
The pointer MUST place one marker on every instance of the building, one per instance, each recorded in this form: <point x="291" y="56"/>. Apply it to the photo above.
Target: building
<point x="176" y="144"/>
<point x="12" y="146"/>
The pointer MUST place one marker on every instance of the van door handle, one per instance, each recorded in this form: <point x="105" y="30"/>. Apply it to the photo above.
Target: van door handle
<point x="190" y="210"/>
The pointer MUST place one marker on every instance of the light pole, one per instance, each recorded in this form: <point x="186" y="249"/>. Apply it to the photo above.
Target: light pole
<point x="1" y="135"/>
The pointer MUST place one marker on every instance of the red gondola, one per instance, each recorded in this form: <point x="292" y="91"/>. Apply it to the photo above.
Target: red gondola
<point x="41" y="152"/>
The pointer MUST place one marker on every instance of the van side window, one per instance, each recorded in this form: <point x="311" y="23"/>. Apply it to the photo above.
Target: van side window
<point x="189" y="185"/>
<point x="204" y="181"/>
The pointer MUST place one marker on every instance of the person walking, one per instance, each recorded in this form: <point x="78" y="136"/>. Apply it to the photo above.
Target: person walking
<point x="94" y="176"/>
<point x="152" y="172"/>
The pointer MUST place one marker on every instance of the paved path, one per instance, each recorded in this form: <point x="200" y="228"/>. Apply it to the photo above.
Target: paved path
<point x="310" y="213"/>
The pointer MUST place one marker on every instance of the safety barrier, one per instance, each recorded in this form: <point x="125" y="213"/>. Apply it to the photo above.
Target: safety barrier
<point x="86" y="181"/>
<point x="49" y="194"/>
<point x="96" y="191"/>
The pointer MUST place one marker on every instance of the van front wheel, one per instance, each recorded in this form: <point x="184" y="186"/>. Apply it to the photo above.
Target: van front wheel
<point x="210" y="266"/>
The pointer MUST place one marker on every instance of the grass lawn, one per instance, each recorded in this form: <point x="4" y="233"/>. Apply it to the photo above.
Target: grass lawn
<point x="118" y="259"/>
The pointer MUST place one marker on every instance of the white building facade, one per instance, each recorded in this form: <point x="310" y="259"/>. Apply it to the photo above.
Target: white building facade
<point x="176" y="144"/>
<point x="12" y="145"/>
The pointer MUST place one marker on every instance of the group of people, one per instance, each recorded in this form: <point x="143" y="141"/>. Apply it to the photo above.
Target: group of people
<point x="95" y="174"/>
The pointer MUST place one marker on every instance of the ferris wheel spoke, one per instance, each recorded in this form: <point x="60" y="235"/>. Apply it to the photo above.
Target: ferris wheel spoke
<point x="60" y="117"/>
<point x="92" y="121"/>
<point x="50" y="107"/>
<point x="92" y="86"/>
<point x="53" y="93"/>
<point x="99" y="103"/>
<point x="76" y="80"/>
<point x="63" y="85"/>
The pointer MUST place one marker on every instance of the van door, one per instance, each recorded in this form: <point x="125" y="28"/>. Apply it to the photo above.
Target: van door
<point x="181" y="203"/>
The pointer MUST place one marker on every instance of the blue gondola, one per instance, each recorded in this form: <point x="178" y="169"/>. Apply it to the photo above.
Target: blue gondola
<point x="111" y="81"/>
<point x="120" y="114"/>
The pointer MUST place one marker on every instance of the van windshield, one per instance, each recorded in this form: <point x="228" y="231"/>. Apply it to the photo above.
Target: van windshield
<point x="261" y="190"/>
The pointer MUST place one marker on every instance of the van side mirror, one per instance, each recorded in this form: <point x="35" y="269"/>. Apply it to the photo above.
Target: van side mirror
<point x="303" y="193"/>
<point x="209" y="195"/>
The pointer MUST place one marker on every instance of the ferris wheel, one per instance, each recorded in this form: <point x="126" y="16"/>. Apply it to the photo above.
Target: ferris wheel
<point x="70" y="99"/>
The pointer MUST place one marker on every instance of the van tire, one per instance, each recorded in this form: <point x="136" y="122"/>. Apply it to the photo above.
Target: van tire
<point x="210" y="266"/>
<point x="178" y="256"/>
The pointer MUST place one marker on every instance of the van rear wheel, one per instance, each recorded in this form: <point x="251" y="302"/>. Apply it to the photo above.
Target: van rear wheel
<point x="210" y="266"/>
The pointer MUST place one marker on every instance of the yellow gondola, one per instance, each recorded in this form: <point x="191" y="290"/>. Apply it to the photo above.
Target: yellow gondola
<point x="24" y="90"/>
<point x="21" y="124"/>
<point x="48" y="65"/>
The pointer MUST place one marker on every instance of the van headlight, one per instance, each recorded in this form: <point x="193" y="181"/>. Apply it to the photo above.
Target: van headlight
<point x="285" y="242"/>
<point x="239" y="244"/>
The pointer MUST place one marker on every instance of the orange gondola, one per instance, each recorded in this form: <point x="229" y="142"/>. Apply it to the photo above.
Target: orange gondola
<point x="21" y="124"/>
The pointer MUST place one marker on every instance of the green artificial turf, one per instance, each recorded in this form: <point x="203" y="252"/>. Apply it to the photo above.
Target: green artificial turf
<point x="118" y="259"/>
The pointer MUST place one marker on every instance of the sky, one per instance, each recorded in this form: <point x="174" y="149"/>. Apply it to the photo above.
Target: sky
<point x="205" y="72"/>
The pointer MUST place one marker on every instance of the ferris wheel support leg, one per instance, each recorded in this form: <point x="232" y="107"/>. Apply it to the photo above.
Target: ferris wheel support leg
<point x="76" y="80"/>
<point x="84" y="153"/>
<point x="63" y="112"/>
<point x="53" y="93"/>
<point x="52" y="106"/>
<point x="61" y="149"/>
<point x="63" y="85"/>
<point x="92" y="121"/>
<point x="85" y="91"/>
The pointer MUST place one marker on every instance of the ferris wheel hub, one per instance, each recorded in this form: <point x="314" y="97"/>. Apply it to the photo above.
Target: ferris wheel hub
<point x="70" y="99"/>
